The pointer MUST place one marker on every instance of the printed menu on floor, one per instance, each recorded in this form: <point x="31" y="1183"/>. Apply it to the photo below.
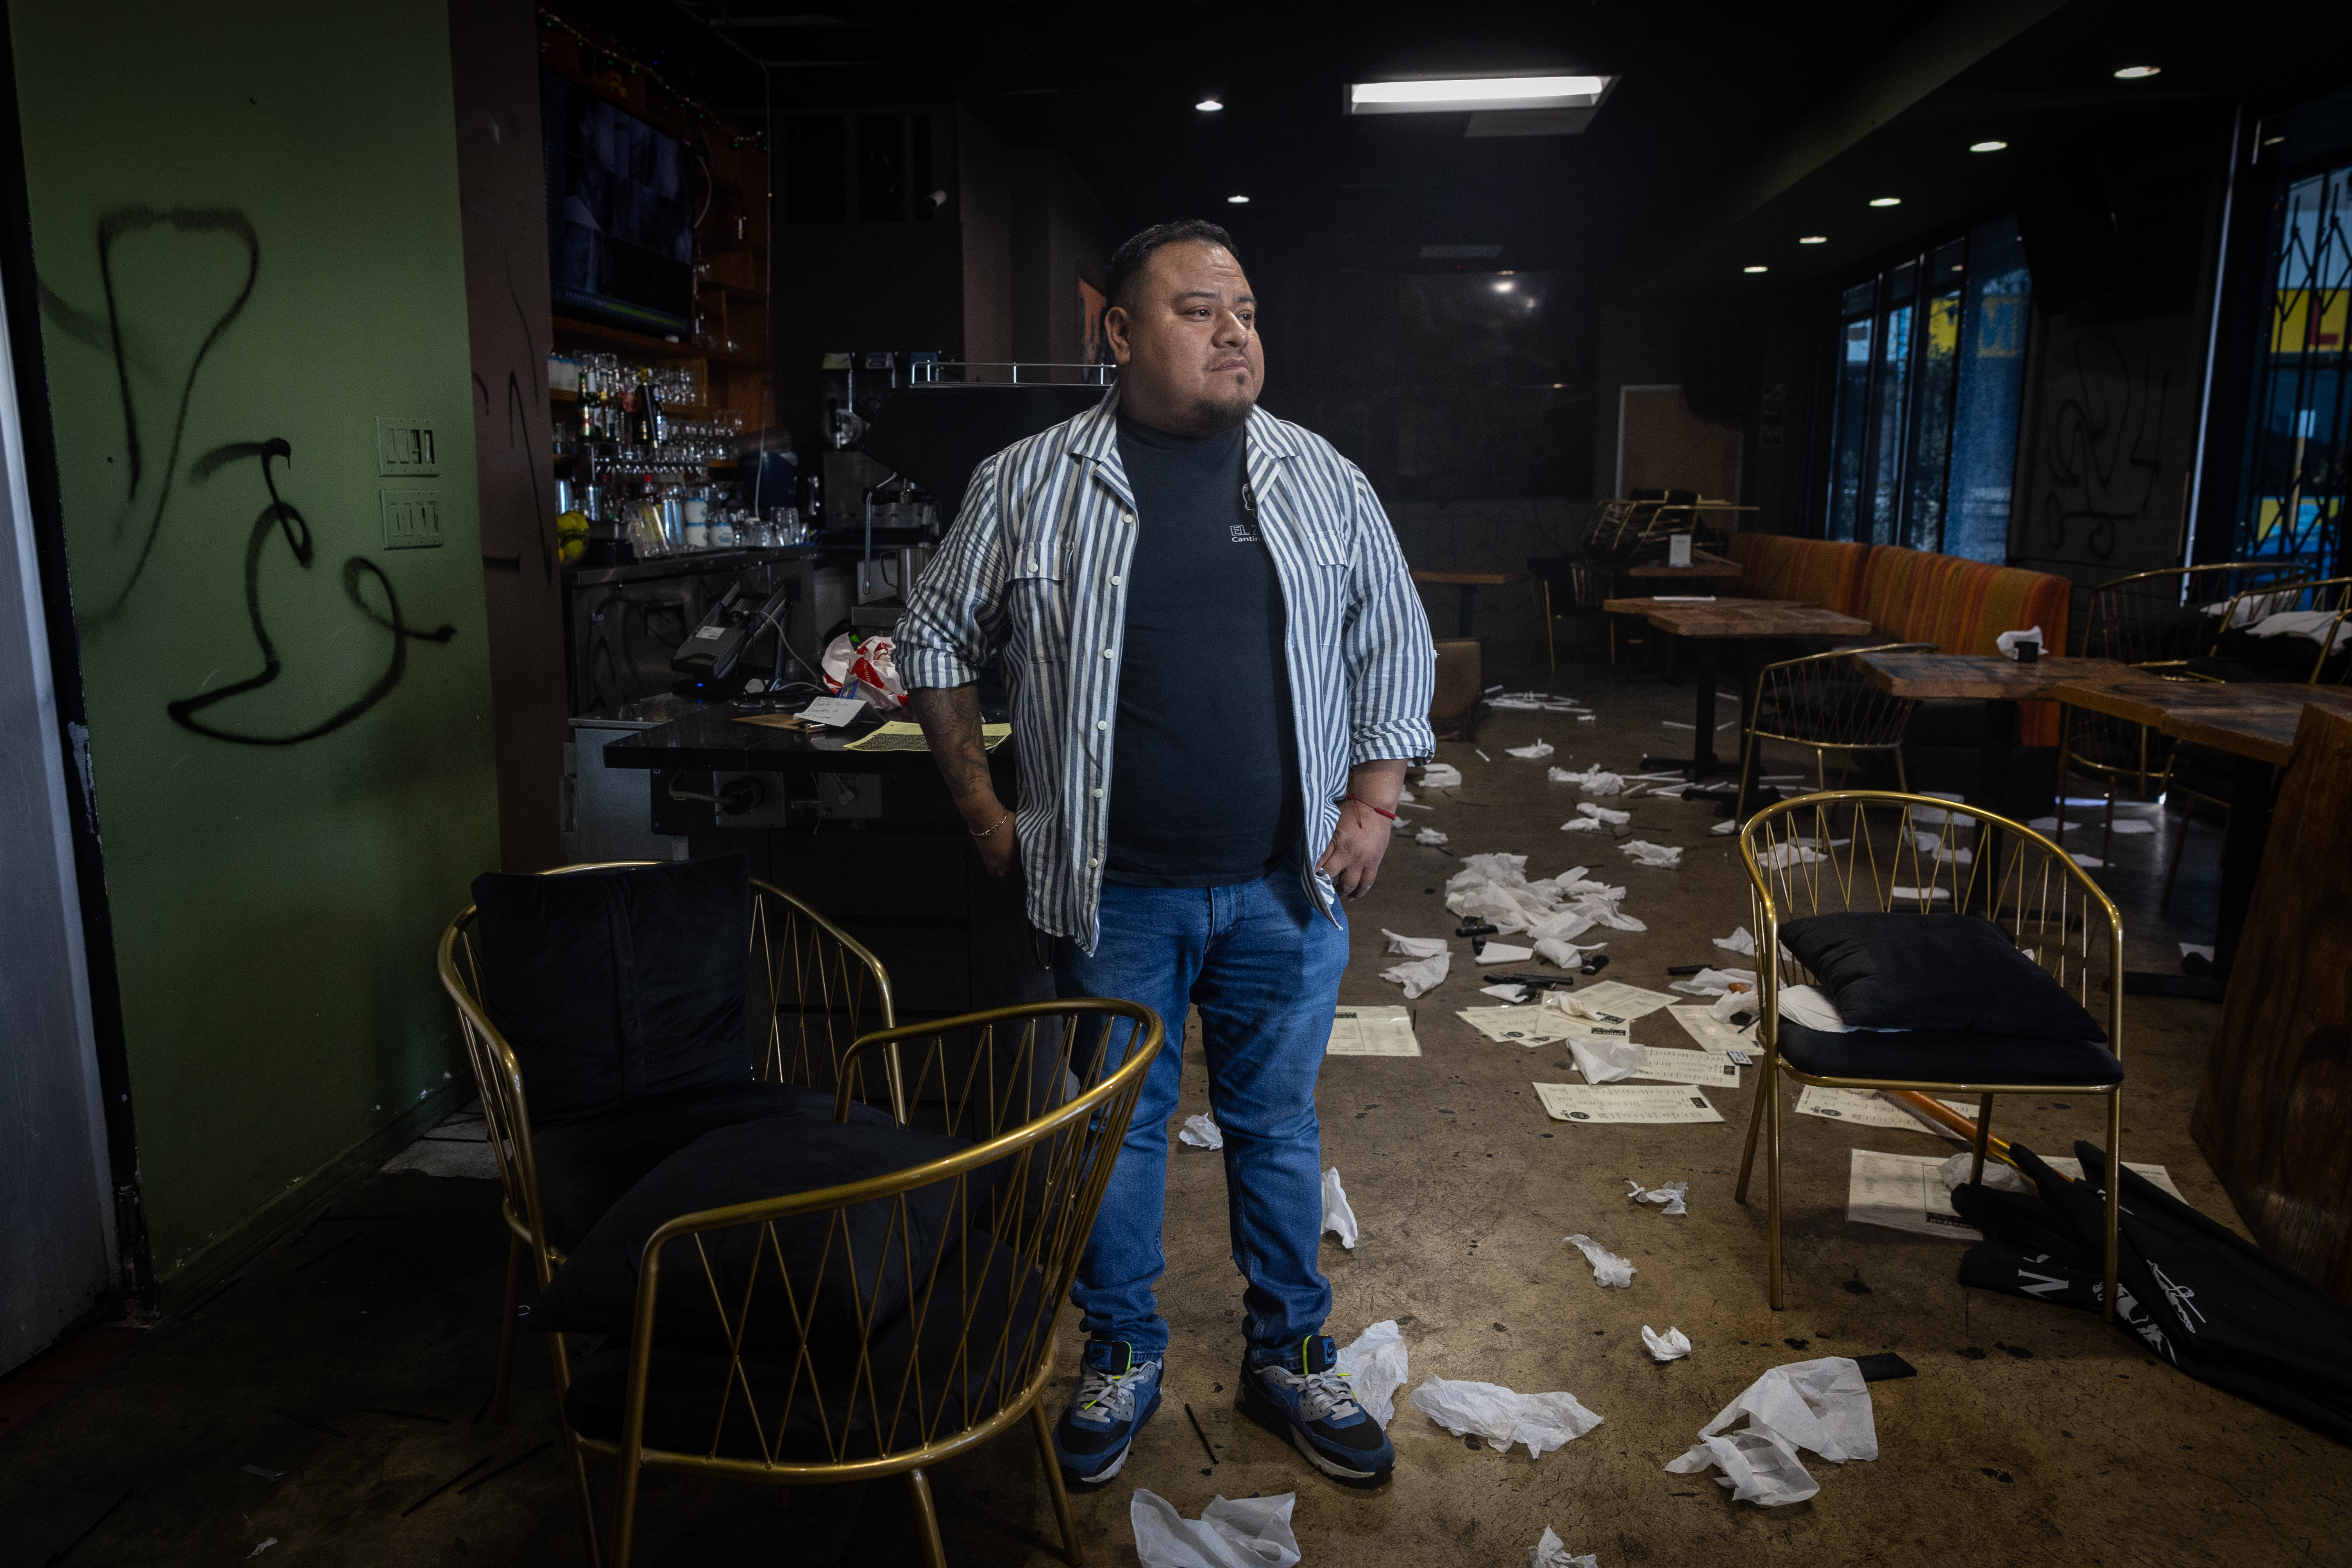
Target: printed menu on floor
<point x="1536" y="1025"/>
<point x="1372" y="1032"/>
<point x="1629" y="1001"/>
<point x="1863" y="1108"/>
<point x="1714" y="1035"/>
<point x="1669" y="1066"/>
<point x="1651" y="1103"/>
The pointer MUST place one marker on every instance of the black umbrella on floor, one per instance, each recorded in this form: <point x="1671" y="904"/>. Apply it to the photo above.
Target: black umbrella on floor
<point x="2200" y="1296"/>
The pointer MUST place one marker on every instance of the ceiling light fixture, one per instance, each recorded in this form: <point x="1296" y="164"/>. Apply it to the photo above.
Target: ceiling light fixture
<point x="1480" y="93"/>
<point x="2136" y="73"/>
<point x="1812" y="239"/>
<point x="1209" y="105"/>
<point x="1886" y="201"/>
<point x="1987" y="146"/>
<point x="1238" y="201"/>
<point x="1757" y="268"/>
<point x="1504" y="286"/>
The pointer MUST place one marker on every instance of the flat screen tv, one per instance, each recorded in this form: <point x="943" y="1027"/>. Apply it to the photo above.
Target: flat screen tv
<point x="620" y="223"/>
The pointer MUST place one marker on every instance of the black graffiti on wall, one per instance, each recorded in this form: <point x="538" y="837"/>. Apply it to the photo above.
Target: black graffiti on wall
<point x="2100" y="456"/>
<point x="152" y="484"/>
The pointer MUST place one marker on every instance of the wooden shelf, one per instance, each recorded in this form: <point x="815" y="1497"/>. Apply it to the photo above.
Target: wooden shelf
<point x="571" y="329"/>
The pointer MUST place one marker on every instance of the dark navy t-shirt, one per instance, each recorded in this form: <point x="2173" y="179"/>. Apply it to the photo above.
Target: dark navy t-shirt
<point x="1204" y="767"/>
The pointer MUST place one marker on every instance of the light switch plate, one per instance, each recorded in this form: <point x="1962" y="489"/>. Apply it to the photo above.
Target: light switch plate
<point x="405" y="448"/>
<point x="412" y="520"/>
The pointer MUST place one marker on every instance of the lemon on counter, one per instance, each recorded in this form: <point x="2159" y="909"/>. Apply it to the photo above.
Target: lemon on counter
<point x="571" y="535"/>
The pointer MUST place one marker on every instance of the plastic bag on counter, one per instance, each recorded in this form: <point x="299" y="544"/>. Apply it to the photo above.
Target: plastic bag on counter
<point x="869" y="663"/>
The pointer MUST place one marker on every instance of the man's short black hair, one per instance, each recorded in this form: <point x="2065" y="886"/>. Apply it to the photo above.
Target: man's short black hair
<point x="1128" y="261"/>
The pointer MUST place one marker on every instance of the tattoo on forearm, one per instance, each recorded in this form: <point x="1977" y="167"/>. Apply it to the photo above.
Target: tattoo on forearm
<point x="950" y="722"/>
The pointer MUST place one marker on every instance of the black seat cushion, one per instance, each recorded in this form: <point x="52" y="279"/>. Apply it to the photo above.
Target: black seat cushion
<point x="921" y="1384"/>
<point x="586" y="1164"/>
<point x="1947" y="1055"/>
<point x="1939" y="971"/>
<point x="611" y="985"/>
<point x="846" y="1265"/>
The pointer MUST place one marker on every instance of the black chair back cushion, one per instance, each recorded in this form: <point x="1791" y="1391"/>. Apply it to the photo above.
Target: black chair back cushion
<point x="1943" y="971"/>
<point x="837" y="1258"/>
<point x="614" y="985"/>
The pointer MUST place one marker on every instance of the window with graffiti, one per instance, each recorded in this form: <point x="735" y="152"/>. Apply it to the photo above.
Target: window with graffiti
<point x="2292" y="508"/>
<point x="1928" y="383"/>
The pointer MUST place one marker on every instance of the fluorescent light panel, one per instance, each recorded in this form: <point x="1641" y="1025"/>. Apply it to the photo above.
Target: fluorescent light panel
<point x="1480" y="92"/>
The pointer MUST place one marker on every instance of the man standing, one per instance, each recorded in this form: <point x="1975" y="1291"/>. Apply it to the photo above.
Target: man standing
<point x="1218" y="667"/>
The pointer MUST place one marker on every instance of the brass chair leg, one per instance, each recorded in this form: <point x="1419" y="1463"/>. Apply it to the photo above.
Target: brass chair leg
<point x="1739" y="802"/>
<point x="927" y="1521"/>
<point x="1755" y="1121"/>
<point x="1984" y="1132"/>
<point x="1772" y="1190"/>
<point x="515" y="1246"/>
<point x="1073" y="1552"/>
<point x="2115" y="1193"/>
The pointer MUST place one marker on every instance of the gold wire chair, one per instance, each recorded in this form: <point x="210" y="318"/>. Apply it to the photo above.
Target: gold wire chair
<point x="816" y="986"/>
<point x="1871" y="851"/>
<point x="1045" y="1091"/>
<point x="1827" y="702"/>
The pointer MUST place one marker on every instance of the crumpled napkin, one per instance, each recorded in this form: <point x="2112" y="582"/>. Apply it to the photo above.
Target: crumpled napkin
<point x="1567" y="954"/>
<point x="1542" y="1421"/>
<point x="1550" y="1553"/>
<point x="1608" y="1269"/>
<point x="1202" y="1132"/>
<point x="1504" y="952"/>
<point x="1338" y="1218"/>
<point x="1711" y="981"/>
<point x="1648" y="854"/>
<point x="1724" y="1008"/>
<point x="1594" y="780"/>
<point x="1603" y="814"/>
<point x="1374" y="1366"/>
<point x="1728" y="825"/>
<point x="1248" y="1533"/>
<point x="1998" y="1177"/>
<point x="1669" y="1197"/>
<point x="1580" y="824"/>
<point x="1510" y="994"/>
<point x="1441" y="775"/>
<point x="2007" y="642"/>
<point x="1414" y="946"/>
<point x="1429" y="835"/>
<point x="1738" y="941"/>
<point x="1421" y="974"/>
<point x="1821" y="1405"/>
<point x="1534" y="754"/>
<point x="1672" y="1346"/>
<point x="1606" y="1061"/>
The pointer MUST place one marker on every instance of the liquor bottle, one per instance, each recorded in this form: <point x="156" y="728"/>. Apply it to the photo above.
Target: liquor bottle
<point x="656" y="420"/>
<point x="592" y="404"/>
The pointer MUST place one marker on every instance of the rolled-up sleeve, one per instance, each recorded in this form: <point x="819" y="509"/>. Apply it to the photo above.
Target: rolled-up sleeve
<point x="1391" y="664"/>
<point x="954" y="622"/>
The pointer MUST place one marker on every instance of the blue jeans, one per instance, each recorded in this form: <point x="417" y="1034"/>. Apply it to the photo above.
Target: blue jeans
<point x="1263" y="966"/>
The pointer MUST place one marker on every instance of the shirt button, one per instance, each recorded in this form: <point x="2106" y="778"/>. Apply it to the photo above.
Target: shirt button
<point x="1102" y="724"/>
<point x="1098" y="794"/>
<point x="1106" y="653"/>
<point x="1113" y="582"/>
<point x="1126" y="517"/>
<point x="1092" y="864"/>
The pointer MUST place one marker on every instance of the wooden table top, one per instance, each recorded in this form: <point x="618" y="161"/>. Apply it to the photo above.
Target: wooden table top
<point x="1740" y="617"/>
<point x="2252" y="719"/>
<point x="1466" y="579"/>
<point x="1986" y="677"/>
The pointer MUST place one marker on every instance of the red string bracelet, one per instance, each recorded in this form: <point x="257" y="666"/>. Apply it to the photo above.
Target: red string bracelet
<point x="1360" y="800"/>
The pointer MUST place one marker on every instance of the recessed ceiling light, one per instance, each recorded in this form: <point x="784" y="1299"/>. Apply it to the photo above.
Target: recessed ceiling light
<point x="2136" y="73"/>
<point x="1504" y="286"/>
<point x="1484" y="92"/>
<point x="1757" y="268"/>
<point x="1209" y="105"/>
<point x="1238" y="201"/>
<point x="1886" y="201"/>
<point x="1813" y="239"/>
<point x="1987" y="146"/>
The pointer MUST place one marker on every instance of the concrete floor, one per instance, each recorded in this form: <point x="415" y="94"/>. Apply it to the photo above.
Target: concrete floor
<point x="354" y="1357"/>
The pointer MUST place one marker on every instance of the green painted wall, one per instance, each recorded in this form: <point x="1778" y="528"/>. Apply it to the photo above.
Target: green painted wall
<point x="271" y="190"/>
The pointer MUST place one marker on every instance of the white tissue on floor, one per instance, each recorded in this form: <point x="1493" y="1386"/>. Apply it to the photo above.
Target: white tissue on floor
<point x="1648" y="854"/>
<point x="1608" y="1269"/>
<point x="1421" y="974"/>
<point x="1822" y="1404"/>
<point x="1594" y="780"/>
<point x="1550" y="1553"/>
<point x="1542" y="1421"/>
<point x="1602" y="814"/>
<point x="1495" y="886"/>
<point x="1429" y="835"/>
<point x="1534" y="754"/>
<point x="1441" y="775"/>
<point x="1606" y="1061"/>
<point x="2000" y="1178"/>
<point x="1248" y="1533"/>
<point x="1567" y="954"/>
<point x="1374" y="1366"/>
<point x="1728" y="825"/>
<point x="1338" y="1218"/>
<point x="1732" y="1003"/>
<point x="1504" y="952"/>
<point x="1672" y="1346"/>
<point x="1738" y="941"/>
<point x="1580" y="824"/>
<point x="1414" y="946"/>
<point x="1668" y="1197"/>
<point x="1712" y="981"/>
<point x="1514" y="995"/>
<point x="1202" y="1132"/>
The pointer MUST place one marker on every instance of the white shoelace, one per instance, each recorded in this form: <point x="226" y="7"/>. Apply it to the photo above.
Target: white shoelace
<point x="1327" y="1394"/>
<point x="1114" y="1392"/>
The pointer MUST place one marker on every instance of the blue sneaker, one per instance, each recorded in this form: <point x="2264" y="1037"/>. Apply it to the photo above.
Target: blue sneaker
<point x="1116" y="1395"/>
<point x="1296" y="1396"/>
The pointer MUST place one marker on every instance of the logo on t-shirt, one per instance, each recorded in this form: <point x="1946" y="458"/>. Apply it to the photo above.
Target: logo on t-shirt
<point x="1245" y="533"/>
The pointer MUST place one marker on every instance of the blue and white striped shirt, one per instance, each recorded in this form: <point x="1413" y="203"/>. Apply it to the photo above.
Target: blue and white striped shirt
<point x="1035" y="566"/>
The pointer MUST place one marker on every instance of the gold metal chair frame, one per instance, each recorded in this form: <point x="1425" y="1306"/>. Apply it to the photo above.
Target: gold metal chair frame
<point x="1080" y="1137"/>
<point x="831" y="960"/>
<point x="2015" y="877"/>
<point x="1857" y="715"/>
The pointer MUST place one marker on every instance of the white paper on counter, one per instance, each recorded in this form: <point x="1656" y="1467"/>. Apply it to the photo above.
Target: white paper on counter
<point x="1374" y="1366"/>
<point x="1202" y="1132"/>
<point x="1608" y="1269"/>
<point x="1248" y="1533"/>
<point x="1413" y="946"/>
<point x="1418" y="975"/>
<point x="1670" y="1197"/>
<point x="1338" y="1218"/>
<point x="1541" y="1421"/>
<point x="1550" y="1553"/>
<point x="1672" y="1346"/>
<point x="1824" y="1405"/>
<point x="1372" y="1032"/>
<point x="1645" y="1103"/>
